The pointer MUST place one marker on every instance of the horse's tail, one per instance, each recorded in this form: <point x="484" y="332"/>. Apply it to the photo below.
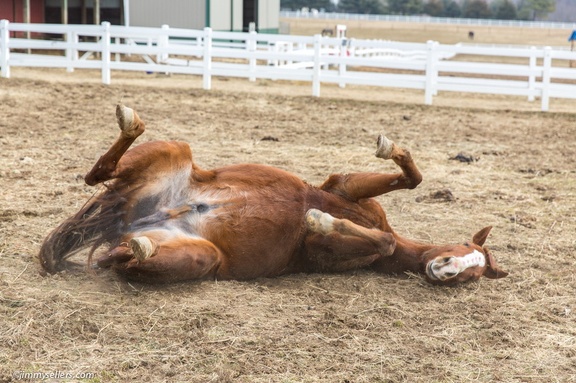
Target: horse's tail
<point x="98" y="222"/>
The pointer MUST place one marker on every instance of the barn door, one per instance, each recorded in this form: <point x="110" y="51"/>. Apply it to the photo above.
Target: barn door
<point x="249" y="14"/>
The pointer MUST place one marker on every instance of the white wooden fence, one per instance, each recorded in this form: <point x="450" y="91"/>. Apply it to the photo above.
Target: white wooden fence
<point x="432" y="67"/>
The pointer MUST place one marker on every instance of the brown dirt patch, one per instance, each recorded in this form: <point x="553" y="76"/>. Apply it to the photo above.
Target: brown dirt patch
<point x="351" y="327"/>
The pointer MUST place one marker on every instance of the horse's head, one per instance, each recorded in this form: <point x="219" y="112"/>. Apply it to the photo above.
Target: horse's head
<point x="449" y="265"/>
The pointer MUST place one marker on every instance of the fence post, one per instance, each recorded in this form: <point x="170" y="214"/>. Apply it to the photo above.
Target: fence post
<point x="4" y="48"/>
<point x="546" y="78"/>
<point x="316" y="69"/>
<point x="431" y="72"/>
<point x="251" y="46"/>
<point x="532" y="78"/>
<point x="163" y="44"/>
<point x="326" y="48"/>
<point x="342" y="66"/>
<point x="274" y="49"/>
<point x="117" y="42"/>
<point x="105" y="45"/>
<point x="71" y="50"/>
<point x="207" y="70"/>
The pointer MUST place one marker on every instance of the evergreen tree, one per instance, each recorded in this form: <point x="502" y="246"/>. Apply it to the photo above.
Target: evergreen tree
<point x="361" y="6"/>
<point x="414" y="7"/>
<point x="451" y="9"/>
<point x="504" y="10"/>
<point x="405" y="7"/>
<point x="541" y="8"/>
<point x="476" y="9"/>
<point x="434" y="8"/>
<point x="524" y="11"/>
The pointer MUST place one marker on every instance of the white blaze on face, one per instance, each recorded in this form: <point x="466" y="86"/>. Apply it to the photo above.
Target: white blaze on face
<point x="443" y="268"/>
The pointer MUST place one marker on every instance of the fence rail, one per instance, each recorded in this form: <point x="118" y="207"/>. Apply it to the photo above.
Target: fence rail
<point x="543" y="73"/>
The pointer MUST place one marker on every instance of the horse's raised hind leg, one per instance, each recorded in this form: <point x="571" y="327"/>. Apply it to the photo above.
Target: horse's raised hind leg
<point x="162" y="261"/>
<point x="139" y="248"/>
<point x="323" y="223"/>
<point x="356" y="186"/>
<point x="343" y="245"/>
<point x="131" y="126"/>
<point x="336" y="253"/>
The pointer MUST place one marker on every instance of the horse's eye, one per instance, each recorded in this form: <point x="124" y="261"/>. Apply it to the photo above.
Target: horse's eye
<point x="466" y="244"/>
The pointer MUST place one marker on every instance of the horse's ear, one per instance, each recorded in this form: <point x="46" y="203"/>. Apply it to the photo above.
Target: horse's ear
<point x="480" y="237"/>
<point x="492" y="270"/>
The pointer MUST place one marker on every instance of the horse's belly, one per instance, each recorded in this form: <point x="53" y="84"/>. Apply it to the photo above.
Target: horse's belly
<point x="258" y="227"/>
<point x="258" y="234"/>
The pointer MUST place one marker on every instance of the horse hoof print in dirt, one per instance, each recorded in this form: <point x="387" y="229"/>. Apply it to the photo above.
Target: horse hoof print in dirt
<point x="165" y="219"/>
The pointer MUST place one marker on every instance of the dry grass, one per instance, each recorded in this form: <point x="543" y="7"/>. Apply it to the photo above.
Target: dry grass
<point x="355" y="327"/>
<point x="352" y="327"/>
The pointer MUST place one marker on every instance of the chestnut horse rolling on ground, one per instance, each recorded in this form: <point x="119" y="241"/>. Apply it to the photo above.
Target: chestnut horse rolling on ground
<point x="165" y="219"/>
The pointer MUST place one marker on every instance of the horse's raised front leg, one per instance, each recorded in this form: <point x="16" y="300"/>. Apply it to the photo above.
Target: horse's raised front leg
<point x="151" y="258"/>
<point x="344" y="245"/>
<point x="356" y="186"/>
<point x="131" y="126"/>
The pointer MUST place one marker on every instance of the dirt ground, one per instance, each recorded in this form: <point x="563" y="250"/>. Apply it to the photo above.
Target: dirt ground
<point x="350" y="327"/>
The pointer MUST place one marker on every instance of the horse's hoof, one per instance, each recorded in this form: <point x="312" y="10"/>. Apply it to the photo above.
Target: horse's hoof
<point x="143" y="248"/>
<point x="128" y="121"/>
<point x="319" y="222"/>
<point x="384" y="147"/>
<point x="313" y="218"/>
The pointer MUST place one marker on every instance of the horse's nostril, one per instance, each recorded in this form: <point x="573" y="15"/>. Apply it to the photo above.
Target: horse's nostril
<point x="446" y="260"/>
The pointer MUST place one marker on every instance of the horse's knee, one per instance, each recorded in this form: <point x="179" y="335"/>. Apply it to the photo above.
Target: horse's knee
<point x="418" y="180"/>
<point x="414" y="180"/>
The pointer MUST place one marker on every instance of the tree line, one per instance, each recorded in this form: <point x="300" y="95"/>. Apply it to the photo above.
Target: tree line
<point x="474" y="9"/>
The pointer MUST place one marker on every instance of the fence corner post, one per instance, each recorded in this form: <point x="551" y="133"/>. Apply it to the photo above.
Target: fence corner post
<point x="547" y="65"/>
<point x="431" y="72"/>
<point x="532" y="77"/>
<point x="71" y="50"/>
<point x="344" y="52"/>
<point x="4" y="49"/>
<point x="316" y="69"/>
<point x="105" y="46"/>
<point x="163" y="43"/>
<point x="207" y="70"/>
<point x="251" y="47"/>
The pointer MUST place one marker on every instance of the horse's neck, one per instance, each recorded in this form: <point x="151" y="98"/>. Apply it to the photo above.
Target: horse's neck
<point x="410" y="252"/>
